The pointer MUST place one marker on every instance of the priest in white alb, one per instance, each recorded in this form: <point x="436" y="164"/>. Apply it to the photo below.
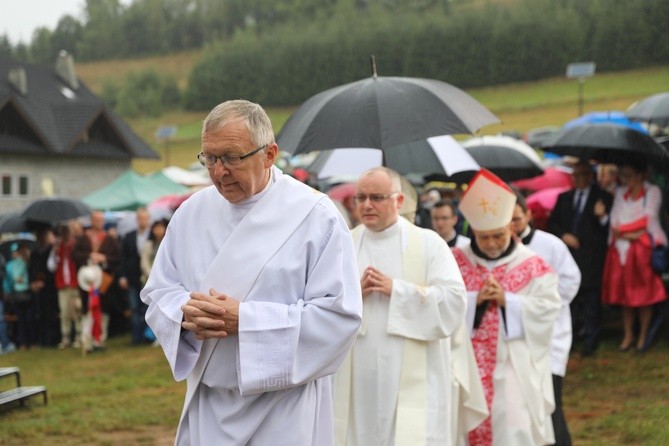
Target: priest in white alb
<point x="254" y="294"/>
<point x="394" y="388"/>
<point x="513" y="303"/>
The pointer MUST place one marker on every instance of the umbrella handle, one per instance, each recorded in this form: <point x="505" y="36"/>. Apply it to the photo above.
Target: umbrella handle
<point x="373" y="62"/>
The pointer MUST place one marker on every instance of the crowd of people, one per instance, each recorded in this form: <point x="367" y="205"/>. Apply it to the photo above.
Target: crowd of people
<point x="451" y="327"/>
<point x="51" y="303"/>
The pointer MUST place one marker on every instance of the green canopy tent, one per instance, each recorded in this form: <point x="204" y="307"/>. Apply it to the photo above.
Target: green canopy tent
<point x="131" y="191"/>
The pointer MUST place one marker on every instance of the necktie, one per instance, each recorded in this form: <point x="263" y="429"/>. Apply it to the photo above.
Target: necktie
<point x="577" y="210"/>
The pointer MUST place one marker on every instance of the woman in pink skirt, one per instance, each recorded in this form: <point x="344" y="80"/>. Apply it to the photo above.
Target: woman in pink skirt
<point x="629" y="280"/>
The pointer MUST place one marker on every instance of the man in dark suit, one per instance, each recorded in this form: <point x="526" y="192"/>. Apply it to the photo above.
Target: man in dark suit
<point x="580" y="218"/>
<point x="130" y="273"/>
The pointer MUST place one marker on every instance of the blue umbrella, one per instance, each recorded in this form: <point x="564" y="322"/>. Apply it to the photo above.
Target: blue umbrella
<point x="606" y="117"/>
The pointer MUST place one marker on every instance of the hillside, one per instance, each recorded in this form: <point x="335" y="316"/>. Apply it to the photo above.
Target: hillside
<point x="521" y="107"/>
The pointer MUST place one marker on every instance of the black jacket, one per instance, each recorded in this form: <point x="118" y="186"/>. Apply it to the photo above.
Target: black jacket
<point x="593" y="235"/>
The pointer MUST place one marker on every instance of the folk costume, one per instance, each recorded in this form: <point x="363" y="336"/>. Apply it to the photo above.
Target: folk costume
<point x="394" y="388"/>
<point x="511" y="344"/>
<point x="287" y="256"/>
<point x="628" y="277"/>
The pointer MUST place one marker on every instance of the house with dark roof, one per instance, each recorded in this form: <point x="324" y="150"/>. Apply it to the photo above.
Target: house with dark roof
<point x="56" y="136"/>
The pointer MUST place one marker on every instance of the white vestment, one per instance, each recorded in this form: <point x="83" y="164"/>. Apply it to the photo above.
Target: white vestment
<point x="523" y="399"/>
<point x="286" y="254"/>
<point x="468" y="398"/>
<point x="556" y="253"/>
<point x="373" y="404"/>
<point x="460" y="241"/>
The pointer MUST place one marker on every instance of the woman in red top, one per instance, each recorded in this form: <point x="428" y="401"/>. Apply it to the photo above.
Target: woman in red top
<point x="65" y="275"/>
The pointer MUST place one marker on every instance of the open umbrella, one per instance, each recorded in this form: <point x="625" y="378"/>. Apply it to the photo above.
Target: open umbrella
<point x="381" y="112"/>
<point x="607" y="143"/>
<point x="169" y="202"/>
<point x="341" y="192"/>
<point x="55" y="209"/>
<point x="554" y="176"/>
<point x="6" y="245"/>
<point x="13" y="222"/>
<point x="541" y="203"/>
<point x="351" y="162"/>
<point x="653" y="109"/>
<point x="601" y="117"/>
<point x="507" y="157"/>
<point x="441" y="155"/>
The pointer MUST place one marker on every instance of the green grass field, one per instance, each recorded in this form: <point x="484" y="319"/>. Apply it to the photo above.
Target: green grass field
<point x="126" y="395"/>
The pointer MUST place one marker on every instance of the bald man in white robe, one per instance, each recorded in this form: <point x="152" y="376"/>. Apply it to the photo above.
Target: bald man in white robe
<point x="394" y="389"/>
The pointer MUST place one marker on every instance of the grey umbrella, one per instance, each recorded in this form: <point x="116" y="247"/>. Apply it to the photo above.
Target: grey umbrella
<point x="653" y="109"/>
<point x="13" y="222"/>
<point x="381" y="112"/>
<point x="55" y="209"/>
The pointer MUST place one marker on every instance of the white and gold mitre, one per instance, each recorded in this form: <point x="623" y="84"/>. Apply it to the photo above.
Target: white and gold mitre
<point x="488" y="202"/>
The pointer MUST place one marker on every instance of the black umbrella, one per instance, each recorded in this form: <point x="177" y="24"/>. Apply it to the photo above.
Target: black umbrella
<point x="607" y="143"/>
<point x="6" y="246"/>
<point x="654" y="109"/>
<point x="507" y="157"/>
<point x="13" y="222"/>
<point x="381" y="112"/>
<point x="55" y="209"/>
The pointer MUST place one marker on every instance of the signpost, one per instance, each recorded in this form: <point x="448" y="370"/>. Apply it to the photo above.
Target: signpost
<point x="580" y="70"/>
<point x="165" y="134"/>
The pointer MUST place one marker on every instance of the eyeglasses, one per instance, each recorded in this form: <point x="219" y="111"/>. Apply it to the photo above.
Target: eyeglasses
<point x="209" y="161"/>
<point x="374" y="198"/>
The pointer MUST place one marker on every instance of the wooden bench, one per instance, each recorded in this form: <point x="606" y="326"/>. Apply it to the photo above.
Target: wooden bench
<point x="19" y="393"/>
<point x="9" y="371"/>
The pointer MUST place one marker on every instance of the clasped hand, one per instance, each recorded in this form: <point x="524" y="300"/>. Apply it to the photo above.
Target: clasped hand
<point x="374" y="280"/>
<point x="213" y="315"/>
<point x="491" y="291"/>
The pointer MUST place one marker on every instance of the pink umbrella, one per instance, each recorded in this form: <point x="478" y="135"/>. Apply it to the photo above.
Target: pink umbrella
<point x="552" y="177"/>
<point x="168" y="202"/>
<point x="340" y="192"/>
<point x="541" y="203"/>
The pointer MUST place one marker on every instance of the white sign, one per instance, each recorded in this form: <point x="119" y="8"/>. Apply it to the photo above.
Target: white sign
<point x="580" y="69"/>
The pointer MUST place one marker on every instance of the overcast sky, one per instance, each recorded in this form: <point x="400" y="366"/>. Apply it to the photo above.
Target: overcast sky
<point x="19" y="18"/>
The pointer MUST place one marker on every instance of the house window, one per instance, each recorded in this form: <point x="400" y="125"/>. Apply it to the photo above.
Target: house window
<point x="24" y="190"/>
<point x="15" y="185"/>
<point x="6" y="185"/>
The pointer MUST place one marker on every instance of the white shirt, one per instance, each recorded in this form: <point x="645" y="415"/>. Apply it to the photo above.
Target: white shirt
<point x="556" y="253"/>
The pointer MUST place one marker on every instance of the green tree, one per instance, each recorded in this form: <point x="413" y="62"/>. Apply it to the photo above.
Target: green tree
<point x="101" y="35"/>
<point x="68" y="32"/>
<point x="145" y="93"/>
<point x="40" y="46"/>
<point x="5" y="47"/>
